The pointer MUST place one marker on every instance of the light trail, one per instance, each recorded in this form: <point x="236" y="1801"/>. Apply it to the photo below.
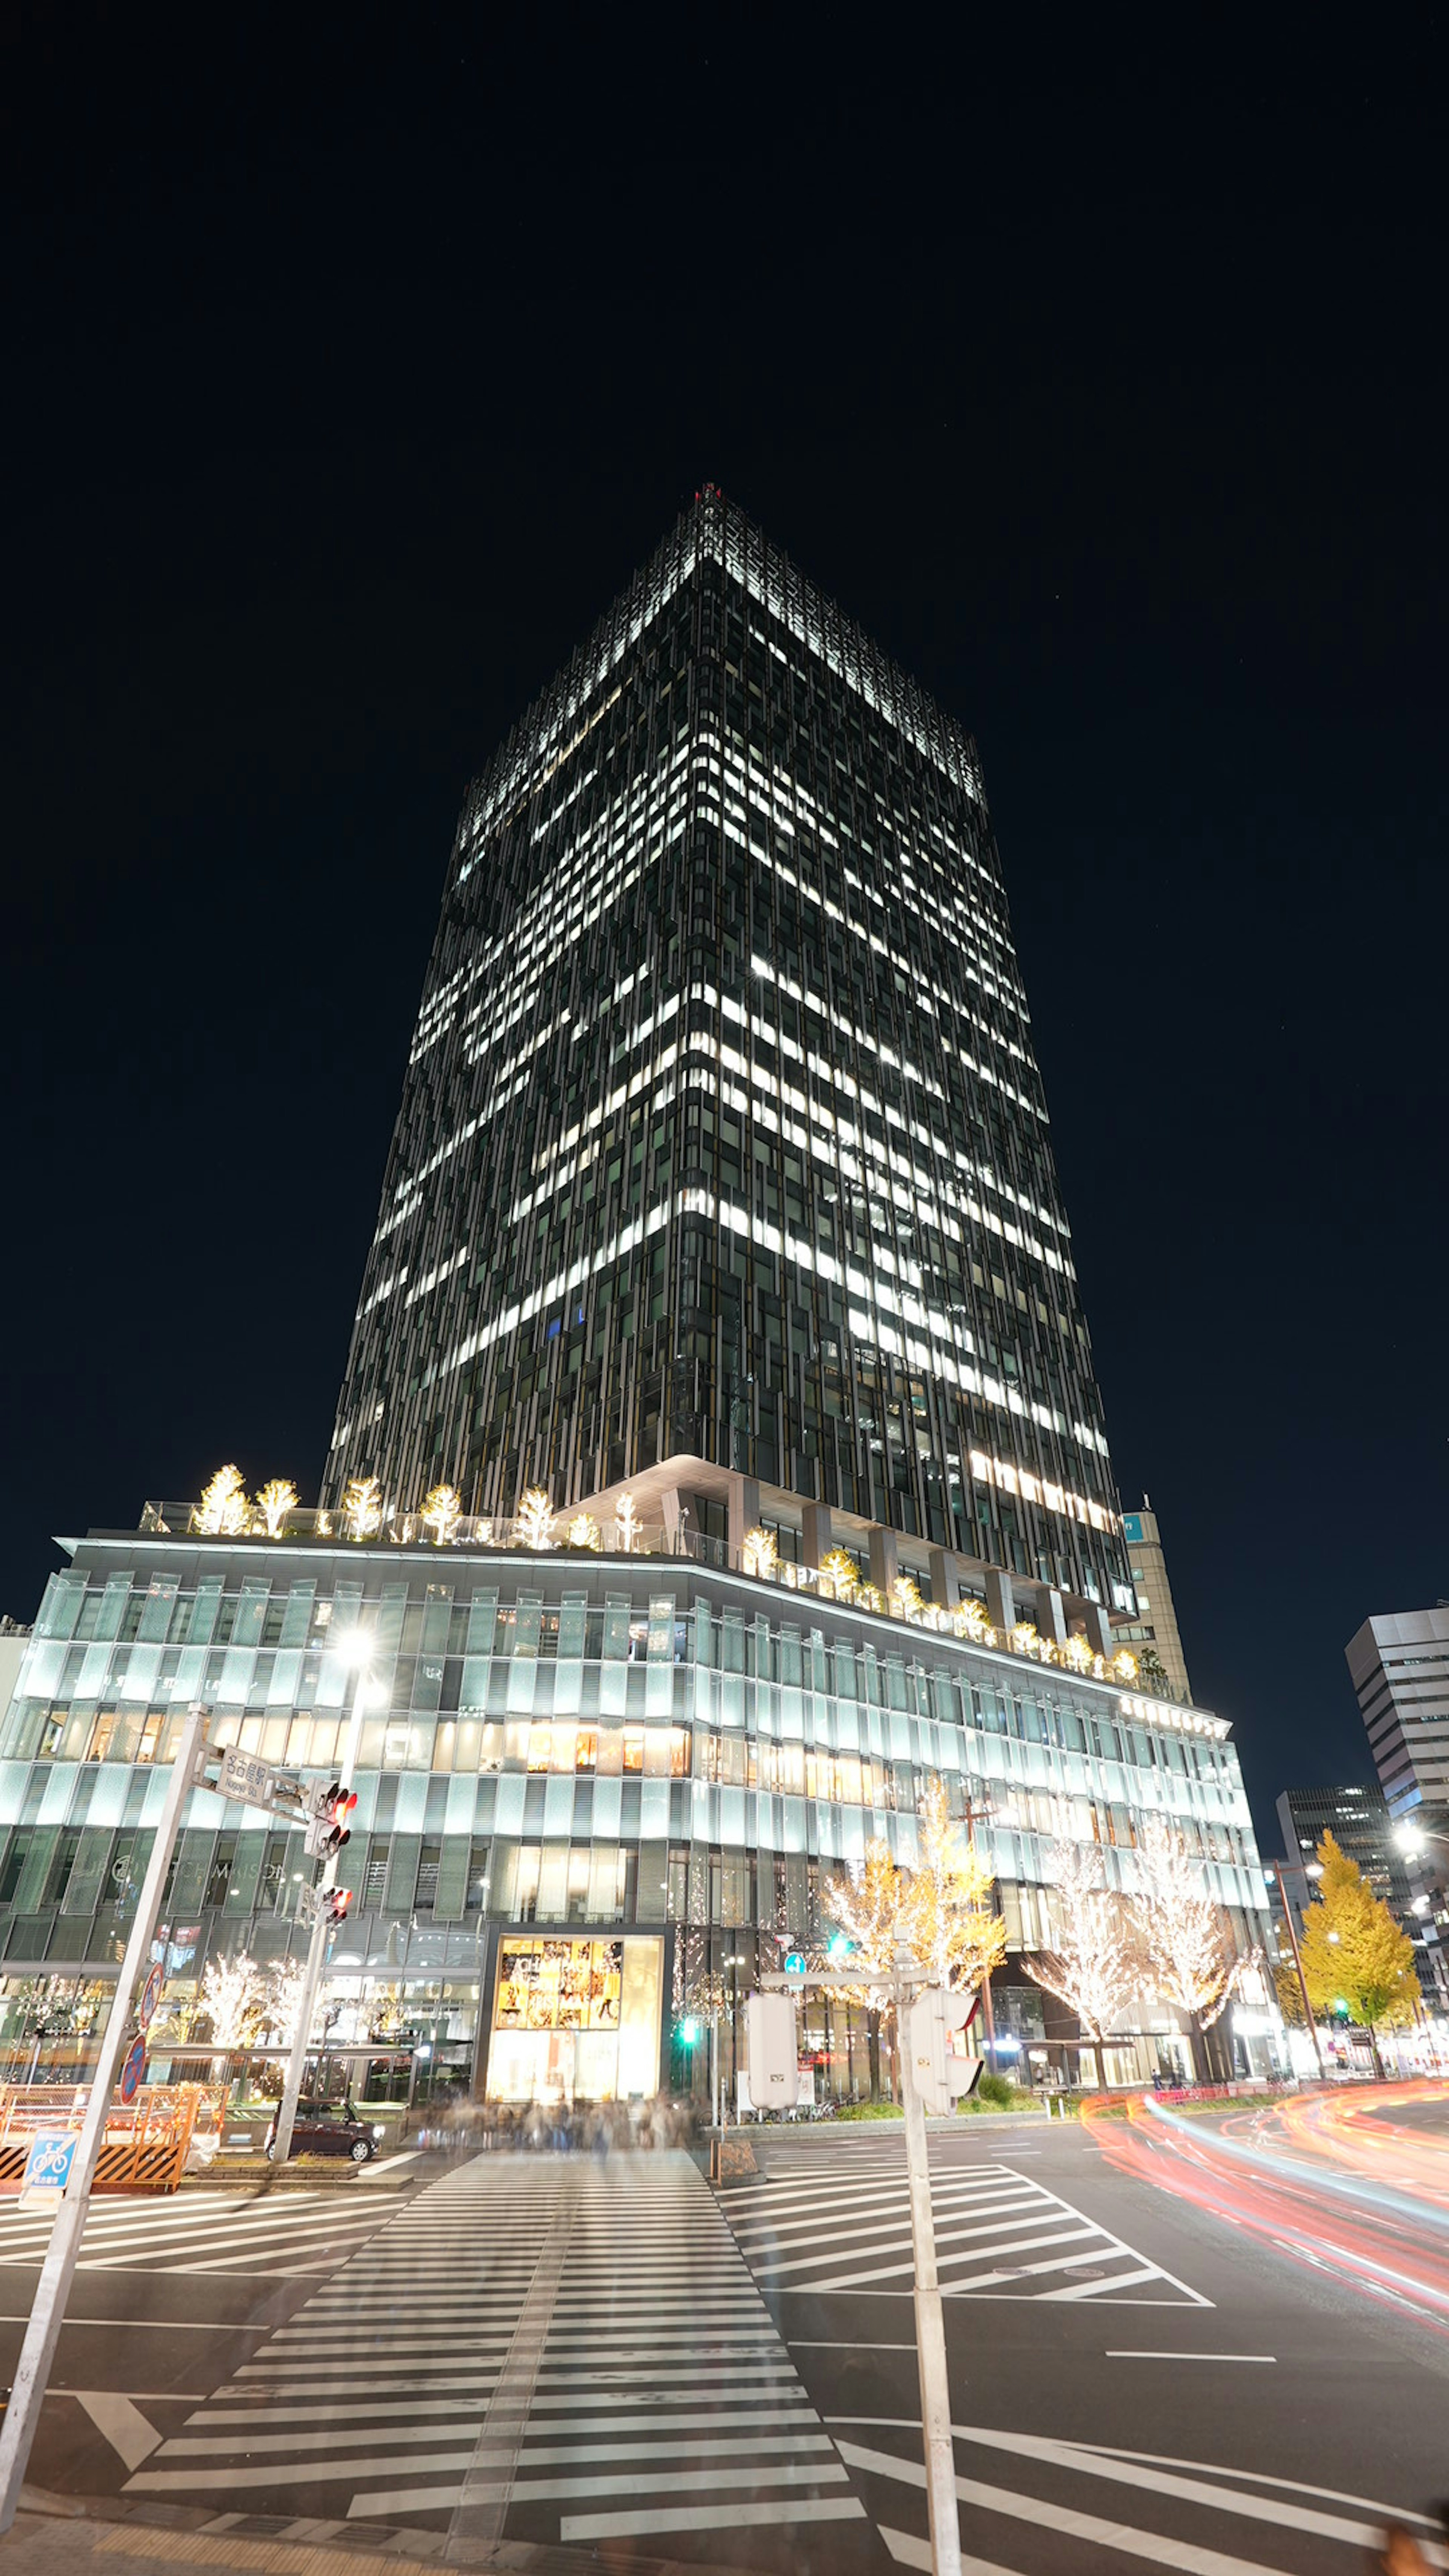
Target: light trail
<point x="1337" y="2185"/>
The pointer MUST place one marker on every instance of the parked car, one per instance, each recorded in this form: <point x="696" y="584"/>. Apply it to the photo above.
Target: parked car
<point x="330" y="2129"/>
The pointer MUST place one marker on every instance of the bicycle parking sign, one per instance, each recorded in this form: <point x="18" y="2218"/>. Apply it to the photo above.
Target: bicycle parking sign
<point x="47" y="2169"/>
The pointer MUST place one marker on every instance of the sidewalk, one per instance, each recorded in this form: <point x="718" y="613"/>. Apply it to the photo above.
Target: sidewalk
<point x="56" y="2539"/>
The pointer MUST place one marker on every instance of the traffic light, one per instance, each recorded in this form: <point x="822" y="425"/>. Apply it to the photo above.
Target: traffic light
<point x="774" y="2052"/>
<point x="941" y="2074"/>
<point x="688" y="2032"/>
<point x="328" y="1828"/>
<point x="335" y="1902"/>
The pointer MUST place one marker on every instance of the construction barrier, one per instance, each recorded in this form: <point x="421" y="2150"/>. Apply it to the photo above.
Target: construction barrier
<point x="146" y="2140"/>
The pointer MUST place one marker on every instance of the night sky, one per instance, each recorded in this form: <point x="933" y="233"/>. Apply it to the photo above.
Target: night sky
<point x="351" y="374"/>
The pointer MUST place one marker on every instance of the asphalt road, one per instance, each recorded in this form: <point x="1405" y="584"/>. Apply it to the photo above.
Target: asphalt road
<point x="613" y="2357"/>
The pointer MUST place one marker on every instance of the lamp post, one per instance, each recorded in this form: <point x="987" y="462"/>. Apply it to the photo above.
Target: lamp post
<point x="354" y="1650"/>
<point x="1275" y="1869"/>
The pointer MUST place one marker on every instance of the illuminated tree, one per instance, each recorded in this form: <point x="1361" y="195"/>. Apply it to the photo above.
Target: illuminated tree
<point x="442" y="1510"/>
<point x="1094" y="1968"/>
<point x="760" y="1552"/>
<point x="222" y="1510"/>
<point x="1024" y="1639"/>
<point x="1354" y="1954"/>
<point x="362" y="1507"/>
<point x="869" y="1597"/>
<point x="324" y="1524"/>
<point x="1124" y="1666"/>
<point x="1186" y="1940"/>
<point x="906" y="1599"/>
<point x="536" y="1518"/>
<point x="584" y="1531"/>
<point x="946" y="1912"/>
<point x="282" y="2000"/>
<point x="233" y="1999"/>
<point x="1077" y="1655"/>
<point x="838" y="1568"/>
<point x="867" y="1909"/>
<point x="272" y="1506"/>
<point x="626" y="1523"/>
<point x="971" y="1623"/>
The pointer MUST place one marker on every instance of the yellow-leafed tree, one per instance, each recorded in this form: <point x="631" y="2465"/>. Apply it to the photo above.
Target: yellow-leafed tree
<point x="1354" y="1954"/>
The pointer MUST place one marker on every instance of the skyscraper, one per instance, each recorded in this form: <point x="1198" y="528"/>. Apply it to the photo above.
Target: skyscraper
<point x="1154" y="1633"/>
<point x="723" y="1159"/>
<point x="721" y="1204"/>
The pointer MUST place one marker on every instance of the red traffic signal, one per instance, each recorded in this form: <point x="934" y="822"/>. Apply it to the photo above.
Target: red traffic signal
<point x="337" y="1805"/>
<point x="335" y="1902"/>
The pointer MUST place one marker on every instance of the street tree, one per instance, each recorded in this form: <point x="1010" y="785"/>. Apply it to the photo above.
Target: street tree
<point x="1094" y="1968"/>
<point x="1354" y="1954"/>
<point x="867" y="1909"/>
<point x="442" y="1510"/>
<point x="947" y="1918"/>
<point x="1188" y="1955"/>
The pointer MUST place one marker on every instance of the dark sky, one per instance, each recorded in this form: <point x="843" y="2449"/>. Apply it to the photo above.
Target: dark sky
<point x="351" y="373"/>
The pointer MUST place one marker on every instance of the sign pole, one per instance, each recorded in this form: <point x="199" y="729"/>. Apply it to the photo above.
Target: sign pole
<point x="936" y="2432"/>
<point x="47" y="2314"/>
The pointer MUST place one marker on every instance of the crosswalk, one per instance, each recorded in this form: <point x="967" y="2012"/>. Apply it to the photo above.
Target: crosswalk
<point x="827" y="2222"/>
<point x="211" y="2231"/>
<point x="1022" y="2494"/>
<point x="552" y="2351"/>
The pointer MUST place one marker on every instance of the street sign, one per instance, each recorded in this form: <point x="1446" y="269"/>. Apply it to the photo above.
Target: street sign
<point x="795" y="1971"/>
<point x="133" y="2070"/>
<point x="150" y="1998"/>
<point x="251" y="1782"/>
<point x="47" y="2169"/>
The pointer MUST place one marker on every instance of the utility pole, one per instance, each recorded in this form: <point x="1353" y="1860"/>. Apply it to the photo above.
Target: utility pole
<point x="47" y="2314"/>
<point x="355" y="1650"/>
<point x="1276" y="1866"/>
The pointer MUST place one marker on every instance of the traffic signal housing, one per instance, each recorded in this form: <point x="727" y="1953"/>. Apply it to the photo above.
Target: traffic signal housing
<point x="942" y="2074"/>
<point x="328" y="1828"/>
<point x="335" y="1902"/>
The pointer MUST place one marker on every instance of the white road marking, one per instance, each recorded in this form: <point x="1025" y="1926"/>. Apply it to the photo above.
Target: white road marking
<point x="620" y="2526"/>
<point x="1116" y="2352"/>
<point x="123" y="2424"/>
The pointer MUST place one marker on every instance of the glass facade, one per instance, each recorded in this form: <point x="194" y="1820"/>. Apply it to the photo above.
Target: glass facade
<point x="657" y="1764"/>
<point x="722" y="1135"/>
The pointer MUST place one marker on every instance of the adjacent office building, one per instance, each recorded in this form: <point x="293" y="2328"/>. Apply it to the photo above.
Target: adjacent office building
<point x="1362" y="1827"/>
<point x="720" y="1224"/>
<point x="1154" y="1629"/>
<point x="1399" y="1664"/>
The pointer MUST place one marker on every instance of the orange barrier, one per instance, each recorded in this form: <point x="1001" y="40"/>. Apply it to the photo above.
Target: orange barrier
<point x="146" y="2141"/>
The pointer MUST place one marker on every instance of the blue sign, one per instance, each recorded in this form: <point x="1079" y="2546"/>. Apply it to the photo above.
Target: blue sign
<point x="47" y="2167"/>
<point x="1132" y="1528"/>
<point x="133" y="2070"/>
<point x="794" y="1963"/>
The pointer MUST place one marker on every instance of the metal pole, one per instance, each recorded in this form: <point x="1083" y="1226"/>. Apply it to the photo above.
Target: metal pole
<point x="714" y="2058"/>
<point x="47" y="2314"/>
<point x="940" y="2447"/>
<point x="1277" y="1869"/>
<point x="316" y="1949"/>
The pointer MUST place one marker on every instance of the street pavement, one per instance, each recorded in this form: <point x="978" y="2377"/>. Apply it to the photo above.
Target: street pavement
<point x="611" y="2358"/>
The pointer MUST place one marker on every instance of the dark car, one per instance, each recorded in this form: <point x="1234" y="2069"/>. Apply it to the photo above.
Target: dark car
<point x="330" y="2129"/>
